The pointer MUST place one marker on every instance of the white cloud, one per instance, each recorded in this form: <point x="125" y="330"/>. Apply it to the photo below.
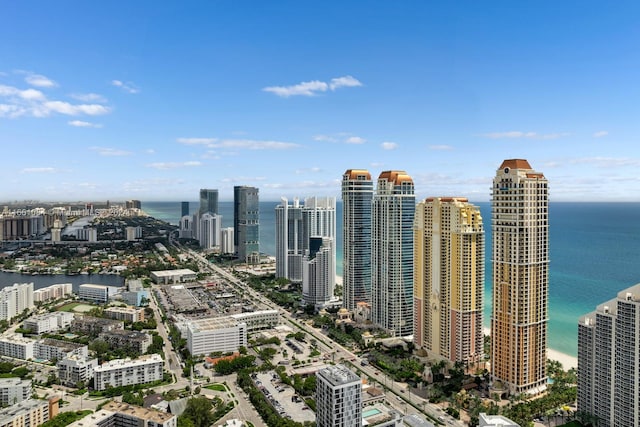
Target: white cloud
<point x="150" y="151"/>
<point x="196" y="141"/>
<point x="314" y="169"/>
<point x="110" y="152"/>
<point x="126" y="86"/>
<point x="63" y="107"/>
<point x="250" y="144"/>
<point x="441" y="147"/>
<point x="607" y="162"/>
<point x="39" y="80"/>
<point x="346" y="81"/>
<point x="83" y="124"/>
<point x="40" y="170"/>
<point x="355" y="140"/>
<point x="173" y="165"/>
<point x="389" y="145"/>
<point x="89" y="97"/>
<point x="600" y="134"/>
<point x="237" y="179"/>
<point x="33" y="103"/>
<point x="324" y="138"/>
<point x="519" y="134"/>
<point x="313" y="87"/>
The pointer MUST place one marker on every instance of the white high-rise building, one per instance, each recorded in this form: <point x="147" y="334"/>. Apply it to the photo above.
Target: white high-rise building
<point x="392" y="253"/>
<point x="295" y="225"/>
<point x="15" y="299"/>
<point x="609" y="361"/>
<point x="519" y="214"/>
<point x="318" y="275"/>
<point x="338" y="397"/>
<point x="209" y="227"/>
<point x="226" y="240"/>
<point x="357" y="198"/>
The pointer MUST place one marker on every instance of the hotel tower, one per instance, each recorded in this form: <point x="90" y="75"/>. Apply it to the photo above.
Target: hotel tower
<point x="519" y="216"/>
<point x="357" y="195"/>
<point x="393" y="210"/>
<point x="448" y="277"/>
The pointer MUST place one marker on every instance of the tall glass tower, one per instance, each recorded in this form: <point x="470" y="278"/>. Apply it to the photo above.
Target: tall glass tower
<point x="208" y="201"/>
<point x="393" y="210"/>
<point x="357" y="196"/>
<point x="246" y="223"/>
<point x="520" y="221"/>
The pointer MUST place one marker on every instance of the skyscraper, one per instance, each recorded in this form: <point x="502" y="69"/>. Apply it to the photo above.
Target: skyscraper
<point x="338" y="397"/>
<point x="519" y="211"/>
<point x="184" y="208"/>
<point x="392" y="253"/>
<point x="209" y="230"/>
<point x="609" y="361"/>
<point x="246" y="222"/>
<point x="318" y="272"/>
<point x="449" y="278"/>
<point x="295" y="225"/>
<point x="357" y="196"/>
<point x="208" y="201"/>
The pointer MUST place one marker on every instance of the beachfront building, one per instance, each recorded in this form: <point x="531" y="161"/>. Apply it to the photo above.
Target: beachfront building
<point x="338" y="397"/>
<point x="609" y="361"/>
<point x="15" y="299"/>
<point x="357" y="198"/>
<point x="318" y="272"/>
<point x="218" y="334"/>
<point x="393" y="211"/>
<point x="520" y="221"/>
<point x="208" y="231"/>
<point x="246" y="223"/>
<point x="48" y="322"/>
<point x="123" y="372"/>
<point x="296" y="223"/>
<point x="76" y="369"/>
<point x="14" y="390"/>
<point x="227" y="245"/>
<point x="449" y="278"/>
<point x="208" y="201"/>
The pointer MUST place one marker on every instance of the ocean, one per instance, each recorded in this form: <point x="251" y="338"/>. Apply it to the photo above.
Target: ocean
<point x="594" y="252"/>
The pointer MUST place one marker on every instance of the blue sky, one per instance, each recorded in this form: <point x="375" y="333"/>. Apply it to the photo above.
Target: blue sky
<point x="155" y="100"/>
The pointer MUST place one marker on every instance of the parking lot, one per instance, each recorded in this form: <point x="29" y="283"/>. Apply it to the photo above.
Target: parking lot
<point x="283" y="397"/>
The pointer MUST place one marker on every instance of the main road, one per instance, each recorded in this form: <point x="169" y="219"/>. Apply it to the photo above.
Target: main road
<point x="403" y="399"/>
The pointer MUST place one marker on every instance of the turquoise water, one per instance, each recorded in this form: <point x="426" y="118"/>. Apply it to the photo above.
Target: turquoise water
<point x="370" y="413"/>
<point x="594" y="252"/>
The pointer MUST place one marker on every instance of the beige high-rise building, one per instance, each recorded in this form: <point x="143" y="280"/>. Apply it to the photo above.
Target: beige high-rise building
<point x="519" y="210"/>
<point x="448" y="278"/>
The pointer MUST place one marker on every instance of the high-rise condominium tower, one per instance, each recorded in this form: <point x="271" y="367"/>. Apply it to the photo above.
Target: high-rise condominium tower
<point x="184" y="208"/>
<point x="609" y="361"/>
<point x="246" y="222"/>
<point x="295" y="225"/>
<point x="357" y="196"/>
<point x="392" y="253"/>
<point x="519" y="211"/>
<point x="448" y="276"/>
<point x="208" y="201"/>
<point x="338" y="397"/>
<point x="318" y="272"/>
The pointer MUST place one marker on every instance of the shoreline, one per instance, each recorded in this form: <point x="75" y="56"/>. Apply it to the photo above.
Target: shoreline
<point x="568" y="361"/>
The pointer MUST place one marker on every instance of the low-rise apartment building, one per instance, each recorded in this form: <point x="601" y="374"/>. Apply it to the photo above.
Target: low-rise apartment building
<point x="122" y="372"/>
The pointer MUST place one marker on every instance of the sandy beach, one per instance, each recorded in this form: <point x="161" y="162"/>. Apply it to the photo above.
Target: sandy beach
<point x="566" y="360"/>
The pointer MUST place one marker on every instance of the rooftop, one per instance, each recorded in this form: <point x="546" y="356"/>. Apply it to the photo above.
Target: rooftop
<point x="338" y="375"/>
<point x="515" y="164"/>
<point x="119" y="363"/>
<point x="397" y="177"/>
<point x="355" y="173"/>
<point x="138" y="412"/>
<point x="211" y="324"/>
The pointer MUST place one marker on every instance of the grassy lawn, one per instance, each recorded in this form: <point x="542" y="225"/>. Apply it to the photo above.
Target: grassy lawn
<point x="69" y="307"/>
<point x="216" y="387"/>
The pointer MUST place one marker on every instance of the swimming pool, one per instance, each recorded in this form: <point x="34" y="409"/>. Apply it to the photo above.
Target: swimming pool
<point x="370" y="413"/>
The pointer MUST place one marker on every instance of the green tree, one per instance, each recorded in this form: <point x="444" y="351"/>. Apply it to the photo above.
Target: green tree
<point x="198" y="411"/>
